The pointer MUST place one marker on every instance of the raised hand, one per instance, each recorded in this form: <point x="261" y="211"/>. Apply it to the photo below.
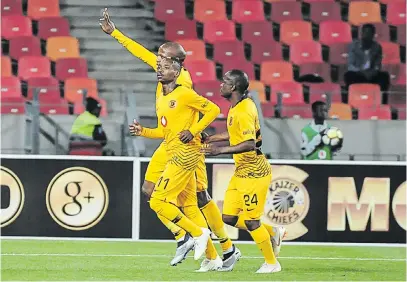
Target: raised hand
<point x="135" y="128"/>
<point x="105" y="23"/>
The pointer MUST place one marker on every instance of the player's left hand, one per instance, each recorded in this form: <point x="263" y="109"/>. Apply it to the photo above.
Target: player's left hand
<point x="210" y="150"/>
<point x="186" y="136"/>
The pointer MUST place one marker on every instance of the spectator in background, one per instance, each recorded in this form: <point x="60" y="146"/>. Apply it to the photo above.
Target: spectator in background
<point x="365" y="61"/>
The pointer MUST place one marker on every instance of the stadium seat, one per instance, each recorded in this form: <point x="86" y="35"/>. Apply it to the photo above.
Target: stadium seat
<point x="58" y="108"/>
<point x="382" y="32"/>
<point x="291" y="93"/>
<point x="364" y="12"/>
<point x="217" y="31"/>
<point x="71" y="67"/>
<point x="247" y="11"/>
<point x="297" y="112"/>
<point x="15" y="26"/>
<point x="401" y="80"/>
<point x="338" y="53"/>
<point x="259" y="87"/>
<point x="331" y="32"/>
<point x="224" y="107"/>
<point x="390" y="1"/>
<point x="257" y="32"/>
<point x="33" y="66"/>
<point x="276" y="1"/>
<point x="401" y="35"/>
<point x="322" y="70"/>
<point x="383" y="113"/>
<point x="195" y="50"/>
<point x="240" y="64"/>
<point x="276" y="71"/>
<point x="286" y="11"/>
<point x="38" y="9"/>
<point x="206" y="11"/>
<point x="208" y="89"/>
<point x="302" y="52"/>
<point x="74" y="89"/>
<point x="267" y="109"/>
<point x="24" y="46"/>
<point x="48" y="89"/>
<point x="340" y="111"/>
<point x="396" y="13"/>
<point x="170" y="10"/>
<point x="292" y="31"/>
<point x="6" y="66"/>
<point x="62" y="47"/>
<point x="228" y="50"/>
<point x="79" y="107"/>
<point x="391" y="53"/>
<point x="397" y="97"/>
<point x="318" y="1"/>
<point x="87" y="148"/>
<point x="11" y="7"/>
<point x="271" y="51"/>
<point x="324" y="92"/>
<point x="393" y="70"/>
<point x="12" y="107"/>
<point x="180" y="30"/>
<point x="50" y="27"/>
<point x="364" y="95"/>
<point x="325" y="11"/>
<point x="11" y="88"/>
<point x="201" y="70"/>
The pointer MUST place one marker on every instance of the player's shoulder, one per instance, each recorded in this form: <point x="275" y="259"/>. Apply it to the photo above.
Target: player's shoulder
<point x="247" y="105"/>
<point x="184" y="78"/>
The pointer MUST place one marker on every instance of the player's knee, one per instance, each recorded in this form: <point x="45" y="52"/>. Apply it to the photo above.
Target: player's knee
<point x="203" y="198"/>
<point x="252" y="224"/>
<point x="147" y="188"/>
<point x="229" y="219"/>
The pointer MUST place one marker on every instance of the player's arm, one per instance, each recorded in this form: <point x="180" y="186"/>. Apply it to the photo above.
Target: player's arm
<point x="224" y="136"/>
<point x="137" y="130"/>
<point x="309" y="146"/>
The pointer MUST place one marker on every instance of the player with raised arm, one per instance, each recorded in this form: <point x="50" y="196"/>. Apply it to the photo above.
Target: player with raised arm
<point x="246" y="194"/>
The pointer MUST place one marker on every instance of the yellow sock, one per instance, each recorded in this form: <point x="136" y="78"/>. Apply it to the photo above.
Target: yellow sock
<point x="241" y="224"/>
<point x="215" y="222"/>
<point x="177" y="231"/>
<point x="171" y="212"/>
<point x="262" y="239"/>
<point x="195" y="214"/>
<point x="270" y="229"/>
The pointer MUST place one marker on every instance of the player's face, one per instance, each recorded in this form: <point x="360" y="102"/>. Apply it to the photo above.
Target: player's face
<point x="166" y="71"/>
<point x="321" y="112"/>
<point x="227" y="87"/>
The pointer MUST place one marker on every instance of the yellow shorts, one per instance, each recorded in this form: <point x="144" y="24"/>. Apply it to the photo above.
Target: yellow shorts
<point x="246" y="196"/>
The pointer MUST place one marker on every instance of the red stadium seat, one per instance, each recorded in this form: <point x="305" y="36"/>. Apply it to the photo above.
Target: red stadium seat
<point x="33" y="66"/>
<point x="266" y="52"/>
<point x="223" y="105"/>
<point x="11" y="88"/>
<point x="331" y="32"/>
<point x="292" y="31"/>
<point x="297" y="112"/>
<point x="242" y="65"/>
<point x="321" y="91"/>
<point x="401" y="79"/>
<point x="24" y="46"/>
<point x="38" y="9"/>
<point x="208" y="89"/>
<point x="396" y="13"/>
<point x="201" y="70"/>
<point x="195" y="50"/>
<point x="247" y="11"/>
<point x="390" y="1"/>
<point x="276" y="1"/>
<point x="55" y="26"/>
<point x="180" y="30"/>
<point x="15" y="26"/>
<point x="383" y="113"/>
<point x="401" y="34"/>
<point x="338" y="53"/>
<point x="286" y="11"/>
<point x="79" y="107"/>
<point x="206" y="11"/>
<point x="382" y="32"/>
<point x="59" y="108"/>
<point x="170" y="10"/>
<point x="71" y="67"/>
<point x="391" y="53"/>
<point x="291" y="93"/>
<point x="323" y="70"/>
<point x="394" y="71"/>
<point x="257" y="32"/>
<point x="397" y="98"/>
<point x="364" y="95"/>
<point x="318" y="1"/>
<point x="6" y="66"/>
<point x="364" y="12"/>
<point x="302" y="52"/>
<point x="276" y="71"/>
<point x="12" y="107"/>
<point x="228" y="50"/>
<point x="48" y="89"/>
<point x="11" y="7"/>
<point x="268" y="109"/>
<point x="88" y="148"/>
<point x="217" y="31"/>
<point x="325" y="11"/>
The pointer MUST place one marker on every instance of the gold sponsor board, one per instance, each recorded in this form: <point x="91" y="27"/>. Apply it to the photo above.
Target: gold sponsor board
<point x="12" y="201"/>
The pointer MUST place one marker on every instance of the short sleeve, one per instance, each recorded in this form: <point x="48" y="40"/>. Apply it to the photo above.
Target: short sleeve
<point x="247" y="124"/>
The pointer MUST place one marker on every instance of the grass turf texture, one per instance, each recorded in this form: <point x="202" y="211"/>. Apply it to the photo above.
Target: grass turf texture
<point x="27" y="260"/>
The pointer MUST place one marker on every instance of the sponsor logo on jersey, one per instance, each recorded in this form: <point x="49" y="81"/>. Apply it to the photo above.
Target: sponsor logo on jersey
<point x="163" y="121"/>
<point x="172" y="104"/>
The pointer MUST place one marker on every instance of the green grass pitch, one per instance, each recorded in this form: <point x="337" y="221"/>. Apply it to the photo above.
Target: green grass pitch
<point x="33" y="260"/>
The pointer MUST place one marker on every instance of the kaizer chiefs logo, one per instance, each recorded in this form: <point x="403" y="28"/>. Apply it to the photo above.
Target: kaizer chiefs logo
<point x="12" y="196"/>
<point x="172" y="104"/>
<point x="287" y="200"/>
<point x="77" y="198"/>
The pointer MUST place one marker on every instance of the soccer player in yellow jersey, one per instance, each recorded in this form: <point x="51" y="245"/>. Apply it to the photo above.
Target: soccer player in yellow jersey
<point x="246" y="194"/>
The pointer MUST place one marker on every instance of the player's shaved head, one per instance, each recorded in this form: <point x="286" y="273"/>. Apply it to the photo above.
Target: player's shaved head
<point x="174" y="50"/>
<point x="239" y="79"/>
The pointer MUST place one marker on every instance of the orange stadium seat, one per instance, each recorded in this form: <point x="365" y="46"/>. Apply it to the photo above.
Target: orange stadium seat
<point x="325" y="11"/>
<point x="396" y="13"/>
<point x="259" y="87"/>
<point x="364" y="95"/>
<point x="24" y="46"/>
<point x="11" y="7"/>
<point x="322" y="70"/>
<point x="268" y="109"/>
<point x="14" y="26"/>
<point x="391" y="53"/>
<point x="247" y="11"/>
<point x="302" y="52"/>
<point x="219" y="31"/>
<point x="257" y="32"/>
<point x="74" y="89"/>
<point x="228" y="50"/>
<point x="383" y="113"/>
<point x="208" y="89"/>
<point x="338" y="53"/>
<point x="364" y="12"/>
<point x="195" y="49"/>
<point x="33" y="66"/>
<point x="38" y="9"/>
<point x="331" y="32"/>
<point x="206" y="11"/>
<point x="170" y="10"/>
<point x="382" y="32"/>
<point x="6" y="66"/>
<point x="55" y="26"/>
<point x="292" y="31"/>
<point x="79" y="107"/>
<point x="271" y="51"/>
<point x="302" y="111"/>
<point x="276" y="71"/>
<point x="62" y="47"/>
<point x="11" y="89"/>
<point x="240" y="64"/>
<point x="401" y="34"/>
<point x="201" y="70"/>
<point x="48" y="89"/>
<point x="321" y="91"/>
<point x="286" y="11"/>
<point x="180" y="30"/>
<point x="340" y="111"/>
<point x="71" y="67"/>
<point x="291" y="93"/>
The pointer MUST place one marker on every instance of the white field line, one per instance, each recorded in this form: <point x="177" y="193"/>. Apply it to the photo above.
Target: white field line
<point x="168" y="256"/>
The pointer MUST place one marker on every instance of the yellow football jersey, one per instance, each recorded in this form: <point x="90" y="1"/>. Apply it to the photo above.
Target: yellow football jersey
<point x="243" y="125"/>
